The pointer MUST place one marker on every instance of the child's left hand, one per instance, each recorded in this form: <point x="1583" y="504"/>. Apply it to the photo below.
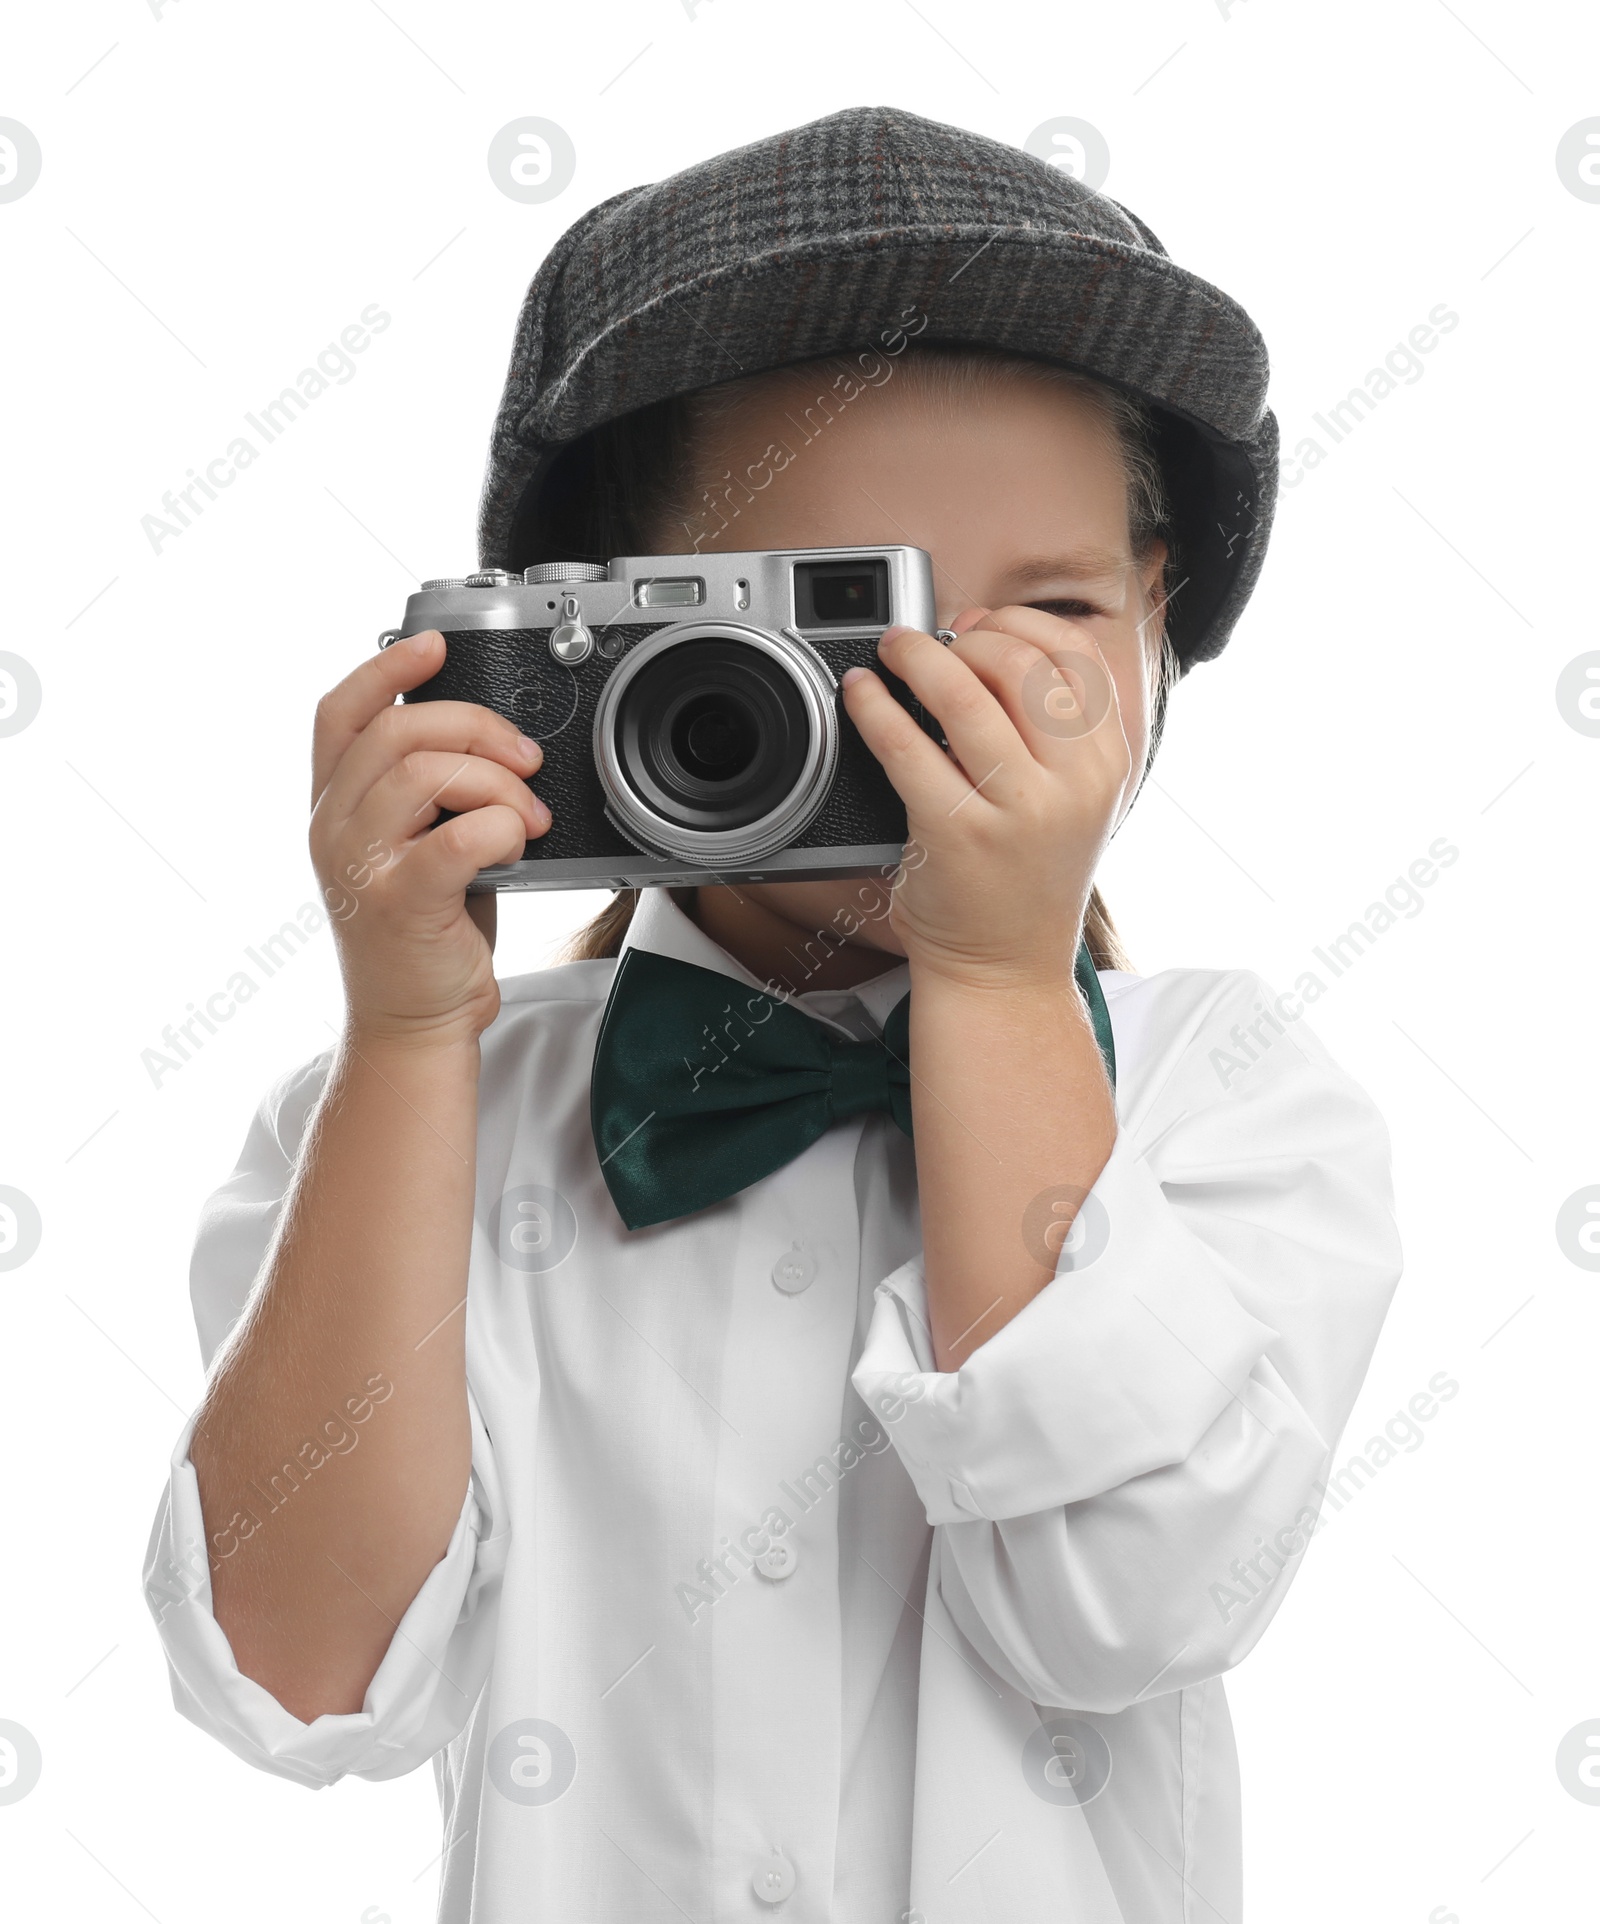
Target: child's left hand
<point x="1014" y="817"/>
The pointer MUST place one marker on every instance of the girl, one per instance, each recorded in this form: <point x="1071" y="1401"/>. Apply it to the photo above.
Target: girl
<point x="846" y="1512"/>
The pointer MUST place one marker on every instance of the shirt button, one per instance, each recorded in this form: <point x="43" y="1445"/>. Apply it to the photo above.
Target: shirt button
<point x="773" y="1878"/>
<point x="795" y="1270"/>
<point x="781" y="1561"/>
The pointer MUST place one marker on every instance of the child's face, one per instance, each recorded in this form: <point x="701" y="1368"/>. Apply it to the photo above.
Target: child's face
<point x="1017" y="492"/>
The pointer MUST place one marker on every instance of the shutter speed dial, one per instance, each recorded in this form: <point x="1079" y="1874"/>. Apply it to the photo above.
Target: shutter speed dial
<point x="545" y="571"/>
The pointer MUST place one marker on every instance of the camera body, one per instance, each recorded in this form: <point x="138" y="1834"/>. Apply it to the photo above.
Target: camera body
<point x="688" y="707"/>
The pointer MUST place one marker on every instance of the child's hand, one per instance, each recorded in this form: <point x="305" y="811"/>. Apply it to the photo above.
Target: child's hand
<point x="1014" y="818"/>
<point x="416" y="967"/>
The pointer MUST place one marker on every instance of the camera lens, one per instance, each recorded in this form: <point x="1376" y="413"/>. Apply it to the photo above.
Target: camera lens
<point x="712" y="734"/>
<point x="715" y="737"/>
<point x="715" y="742"/>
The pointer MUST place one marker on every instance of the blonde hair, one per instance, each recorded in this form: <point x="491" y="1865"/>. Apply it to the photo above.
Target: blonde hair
<point x="637" y="476"/>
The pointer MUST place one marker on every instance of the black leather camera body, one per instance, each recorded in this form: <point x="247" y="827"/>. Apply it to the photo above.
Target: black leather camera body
<point x="688" y="707"/>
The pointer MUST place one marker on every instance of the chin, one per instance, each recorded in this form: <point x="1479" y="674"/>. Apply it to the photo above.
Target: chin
<point x="854" y="907"/>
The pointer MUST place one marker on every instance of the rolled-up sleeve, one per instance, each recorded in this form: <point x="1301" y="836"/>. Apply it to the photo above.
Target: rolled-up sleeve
<point x="1124" y="1476"/>
<point x="440" y="1654"/>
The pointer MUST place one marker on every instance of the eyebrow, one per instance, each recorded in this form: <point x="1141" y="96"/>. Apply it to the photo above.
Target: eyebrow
<point x="1080" y="564"/>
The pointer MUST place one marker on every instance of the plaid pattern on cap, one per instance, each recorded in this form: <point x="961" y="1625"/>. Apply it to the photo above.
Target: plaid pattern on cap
<point x="816" y="241"/>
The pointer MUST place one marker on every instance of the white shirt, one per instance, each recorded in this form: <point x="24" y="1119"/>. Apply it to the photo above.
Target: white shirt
<point x="1024" y="1573"/>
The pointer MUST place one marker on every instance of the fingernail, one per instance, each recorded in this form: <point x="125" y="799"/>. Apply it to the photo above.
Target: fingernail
<point x="420" y="644"/>
<point x="894" y="628"/>
<point x="541" y="814"/>
<point x="528" y="749"/>
<point x="852" y="674"/>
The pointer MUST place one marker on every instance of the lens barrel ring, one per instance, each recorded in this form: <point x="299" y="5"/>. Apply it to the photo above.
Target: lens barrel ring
<point x="810" y="680"/>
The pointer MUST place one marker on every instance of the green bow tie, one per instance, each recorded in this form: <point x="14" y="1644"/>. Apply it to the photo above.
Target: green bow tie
<point x="703" y="1085"/>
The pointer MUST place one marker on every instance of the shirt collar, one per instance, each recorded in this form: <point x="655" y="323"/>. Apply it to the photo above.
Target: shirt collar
<point x="660" y="927"/>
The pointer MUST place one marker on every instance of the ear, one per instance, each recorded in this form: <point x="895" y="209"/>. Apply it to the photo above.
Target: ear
<point x="1150" y="570"/>
<point x="485" y="913"/>
<point x="1152" y="593"/>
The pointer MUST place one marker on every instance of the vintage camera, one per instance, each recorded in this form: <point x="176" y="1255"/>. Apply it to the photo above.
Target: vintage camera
<point x="688" y="707"/>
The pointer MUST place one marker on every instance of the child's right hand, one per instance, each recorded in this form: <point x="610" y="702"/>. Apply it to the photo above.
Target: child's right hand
<point x="416" y="968"/>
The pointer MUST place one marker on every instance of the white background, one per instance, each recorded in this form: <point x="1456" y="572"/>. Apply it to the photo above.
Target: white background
<point x="223" y="190"/>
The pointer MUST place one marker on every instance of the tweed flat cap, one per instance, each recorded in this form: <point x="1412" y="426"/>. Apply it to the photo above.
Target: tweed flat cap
<point x="811" y="242"/>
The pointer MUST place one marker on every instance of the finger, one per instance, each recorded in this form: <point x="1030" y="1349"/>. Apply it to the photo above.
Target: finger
<point x="444" y="861"/>
<point x="968" y="618"/>
<point x="462" y="726"/>
<point x="981" y="734"/>
<point x="1053" y="699"/>
<point x="1030" y="624"/>
<point x="407" y="799"/>
<point x="1051" y="676"/>
<point x="381" y="679"/>
<point x="923" y="776"/>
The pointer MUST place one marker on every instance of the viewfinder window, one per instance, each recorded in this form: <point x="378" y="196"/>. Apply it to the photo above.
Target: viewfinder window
<point x="841" y="594"/>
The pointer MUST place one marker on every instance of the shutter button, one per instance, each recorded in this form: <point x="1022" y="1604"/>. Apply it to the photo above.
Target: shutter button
<point x="570" y="641"/>
<point x="774" y="1878"/>
<point x="795" y="1270"/>
<point x="779" y="1562"/>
